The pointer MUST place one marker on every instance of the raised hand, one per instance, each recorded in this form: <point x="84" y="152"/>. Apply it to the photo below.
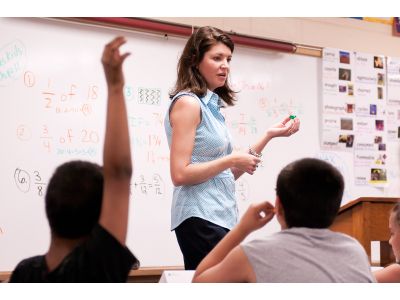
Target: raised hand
<point x="112" y="62"/>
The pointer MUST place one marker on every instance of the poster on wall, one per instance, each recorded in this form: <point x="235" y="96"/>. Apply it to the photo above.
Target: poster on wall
<point x="354" y="112"/>
<point x="370" y="148"/>
<point x="393" y="99"/>
<point x="338" y="100"/>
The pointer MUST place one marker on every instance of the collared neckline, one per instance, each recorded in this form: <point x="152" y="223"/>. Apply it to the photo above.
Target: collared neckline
<point x="211" y="95"/>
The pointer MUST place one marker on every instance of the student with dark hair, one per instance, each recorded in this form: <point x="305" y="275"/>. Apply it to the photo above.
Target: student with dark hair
<point x="309" y="192"/>
<point x="391" y="273"/>
<point x="87" y="206"/>
<point x="203" y="167"/>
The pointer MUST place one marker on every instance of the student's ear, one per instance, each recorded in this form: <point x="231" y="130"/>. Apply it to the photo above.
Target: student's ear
<point x="280" y="214"/>
<point x="278" y="206"/>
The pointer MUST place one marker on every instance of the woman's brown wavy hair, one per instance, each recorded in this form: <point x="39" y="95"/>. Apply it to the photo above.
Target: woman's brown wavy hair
<point x="189" y="77"/>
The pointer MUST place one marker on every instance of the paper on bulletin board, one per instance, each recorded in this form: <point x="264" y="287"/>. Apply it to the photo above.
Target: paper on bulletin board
<point x="354" y="111"/>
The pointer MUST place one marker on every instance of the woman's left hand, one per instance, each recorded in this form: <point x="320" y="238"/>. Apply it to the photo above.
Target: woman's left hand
<point x="285" y="128"/>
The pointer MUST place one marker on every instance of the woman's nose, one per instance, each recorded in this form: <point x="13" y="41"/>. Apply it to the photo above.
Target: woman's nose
<point x="225" y="64"/>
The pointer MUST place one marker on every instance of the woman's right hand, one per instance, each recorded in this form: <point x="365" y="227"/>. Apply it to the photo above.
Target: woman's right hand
<point x="246" y="162"/>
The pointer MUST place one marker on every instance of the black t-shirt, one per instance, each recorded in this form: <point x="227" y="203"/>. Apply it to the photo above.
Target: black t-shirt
<point x="101" y="258"/>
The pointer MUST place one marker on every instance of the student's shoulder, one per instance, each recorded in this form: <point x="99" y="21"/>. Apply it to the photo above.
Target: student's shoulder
<point x="346" y="241"/>
<point x="268" y="242"/>
<point x="102" y="239"/>
<point x="28" y="269"/>
<point x="31" y="262"/>
<point x="342" y="236"/>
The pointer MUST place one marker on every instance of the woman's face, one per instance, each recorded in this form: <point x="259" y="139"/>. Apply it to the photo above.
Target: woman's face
<point x="214" y="67"/>
<point x="394" y="241"/>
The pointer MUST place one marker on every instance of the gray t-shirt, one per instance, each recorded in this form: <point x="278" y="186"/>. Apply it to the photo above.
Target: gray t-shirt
<point x="308" y="255"/>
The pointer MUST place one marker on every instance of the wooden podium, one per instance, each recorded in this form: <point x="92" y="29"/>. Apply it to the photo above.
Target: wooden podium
<point x="367" y="219"/>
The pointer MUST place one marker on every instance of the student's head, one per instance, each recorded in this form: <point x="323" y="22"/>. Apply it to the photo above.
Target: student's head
<point x="394" y="227"/>
<point x="73" y="199"/>
<point x="309" y="192"/>
<point x="204" y="64"/>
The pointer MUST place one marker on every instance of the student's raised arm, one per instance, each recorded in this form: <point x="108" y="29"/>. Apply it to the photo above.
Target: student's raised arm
<point x="227" y="262"/>
<point x="117" y="153"/>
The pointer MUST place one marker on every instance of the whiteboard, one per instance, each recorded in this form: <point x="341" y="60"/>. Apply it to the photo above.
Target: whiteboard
<point x="53" y="101"/>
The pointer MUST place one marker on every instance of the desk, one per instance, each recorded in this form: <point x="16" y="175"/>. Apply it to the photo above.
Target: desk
<point x="4" y="276"/>
<point x="143" y="275"/>
<point x="367" y="219"/>
<point x="150" y="274"/>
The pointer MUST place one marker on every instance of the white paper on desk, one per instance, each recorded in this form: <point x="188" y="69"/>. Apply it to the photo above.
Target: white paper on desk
<point x="179" y="276"/>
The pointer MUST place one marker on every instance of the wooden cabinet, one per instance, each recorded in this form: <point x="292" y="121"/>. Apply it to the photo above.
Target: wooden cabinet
<point x="367" y="219"/>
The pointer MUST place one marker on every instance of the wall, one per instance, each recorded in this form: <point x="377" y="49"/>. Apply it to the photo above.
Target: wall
<point x="345" y="33"/>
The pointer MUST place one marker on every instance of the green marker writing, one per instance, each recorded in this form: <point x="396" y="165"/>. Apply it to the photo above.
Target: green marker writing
<point x="292" y="117"/>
